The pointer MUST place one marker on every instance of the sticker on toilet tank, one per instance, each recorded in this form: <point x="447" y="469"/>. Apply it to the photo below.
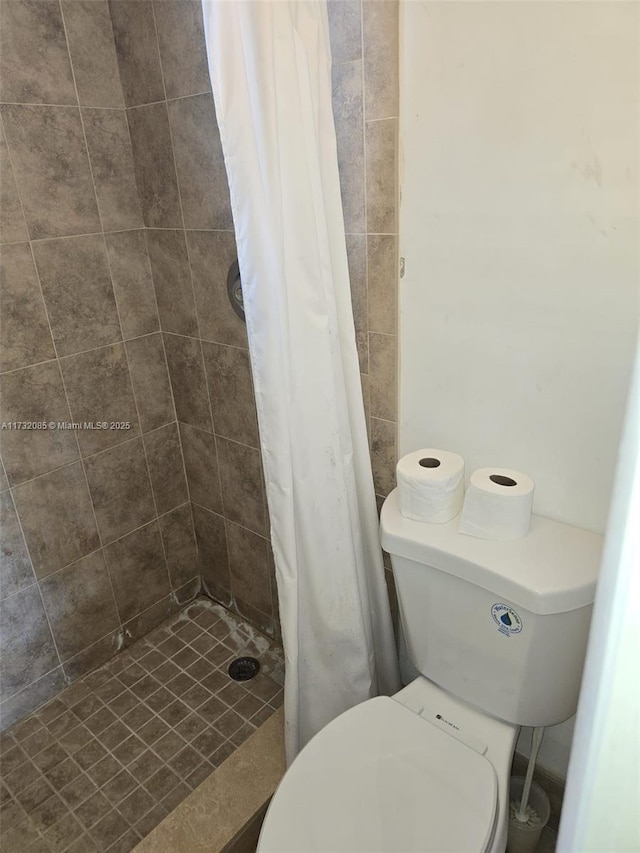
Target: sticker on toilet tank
<point x="507" y="619"/>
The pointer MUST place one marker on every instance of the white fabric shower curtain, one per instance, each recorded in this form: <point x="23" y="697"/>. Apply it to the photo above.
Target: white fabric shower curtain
<point x="270" y="66"/>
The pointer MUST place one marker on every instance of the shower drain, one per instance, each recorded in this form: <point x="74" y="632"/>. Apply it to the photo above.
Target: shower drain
<point x="243" y="669"/>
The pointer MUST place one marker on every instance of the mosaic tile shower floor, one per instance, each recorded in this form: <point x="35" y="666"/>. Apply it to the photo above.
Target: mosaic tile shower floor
<point x="98" y="767"/>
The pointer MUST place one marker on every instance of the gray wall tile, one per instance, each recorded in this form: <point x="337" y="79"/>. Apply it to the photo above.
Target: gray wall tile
<point x="137" y="51"/>
<point x="210" y="255"/>
<point x="357" y="259"/>
<point x="75" y="279"/>
<point x="93" y="52"/>
<point x="112" y="166"/>
<point x="57" y="518"/>
<point x="138" y="570"/>
<point x="249" y="567"/>
<point x="150" y="379"/>
<point x="345" y="27"/>
<point x="132" y="282"/>
<point x="51" y="169"/>
<point x="179" y="541"/>
<point x="16" y="571"/>
<point x="381" y="61"/>
<point x="382" y="265"/>
<point x="24" y="331"/>
<point x="212" y="552"/>
<point x="31" y="697"/>
<point x="35" y="394"/>
<point x="13" y="228"/>
<point x="91" y="657"/>
<point x="182" y="47"/>
<point x="242" y="489"/>
<point x="201" y="463"/>
<point x="120" y="489"/>
<point x="164" y="457"/>
<point x="383" y="376"/>
<point x="172" y="281"/>
<point x="34" y="30"/>
<point x="80" y="605"/>
<point x="231" y="391"/>
<point x="381" y="177"/>
<point x="348" y="117"/>
<point x="99" y="389"/>
<point x="27" y="645"/>
<point x="154" y="165"/>
<point x="186" y="371"/>
<point x="383" y="455"/>
<point x="199" y="162"/>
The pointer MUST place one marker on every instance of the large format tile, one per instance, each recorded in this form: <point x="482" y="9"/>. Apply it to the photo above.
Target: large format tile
<point x="79" y="603"/>
<point x="24" y="332"/>
<point x="13" y="228"/>
<point x="383" y="376"/>
<point x="182" y="47"/>
<point x="202" y="177"/>
<point x="132" y="282"/>
<point x="357" y="260"/>
<point x="75" y="279"/>
<point x="249" y="567"/>
<point x="166" y="468"/>
<point x="35" y="395"/>
<point x="52" y="171"/>
<point x="33" y="696"/>
<point x="382" y="277"/>
<point x="137" y="51"/>
<point x="34" y="62"/>
<point x="231" y="390"/>
<point x="188" y="381"/>
<point x="138" y="570"/>
<point x="28" y="651"/>
<point x="380" y="28"/>
<point x="201" y="463"/>
<point x="16" y="571"/>
<point x="57" y="518"/>
<point x="381" y="176"/>
<point x="120" y="489"/>
<point x="179" y="542"/>
<point x="211" y="254"/>
<point x="212" y="552"/>
<point x="150" y="378"/>
<point x="112" y="166"/>
<point x="172" y="281"/>
<point x="345" y="28"/>
<point x="348" y="117"/>
<point x="242" y="489"/>
<point x="93" y="52"/>
<point x="383" y="455"/>
<point x="154" y="164"/>
<point x="99" y="389"/>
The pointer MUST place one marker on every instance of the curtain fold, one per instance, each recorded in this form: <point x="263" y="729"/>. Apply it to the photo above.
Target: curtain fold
<point x="270" y="67"/>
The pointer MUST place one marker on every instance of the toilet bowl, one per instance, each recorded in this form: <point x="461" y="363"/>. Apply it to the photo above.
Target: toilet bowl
<point x="498" y="631"/>
<point x="420" y="771"/>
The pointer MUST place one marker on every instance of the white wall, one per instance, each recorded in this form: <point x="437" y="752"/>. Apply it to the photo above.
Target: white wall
<point x="518" y="223"/>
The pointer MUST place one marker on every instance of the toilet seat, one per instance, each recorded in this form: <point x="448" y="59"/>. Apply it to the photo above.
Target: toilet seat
<point x="381" y="778"/>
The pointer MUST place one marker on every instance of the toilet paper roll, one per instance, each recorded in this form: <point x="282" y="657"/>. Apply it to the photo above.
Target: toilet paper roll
<point x="497" y="504"/>
<point x="431" y="485"/>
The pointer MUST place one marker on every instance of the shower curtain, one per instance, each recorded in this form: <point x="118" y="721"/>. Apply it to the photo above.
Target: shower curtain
<point x="270" y="67"/>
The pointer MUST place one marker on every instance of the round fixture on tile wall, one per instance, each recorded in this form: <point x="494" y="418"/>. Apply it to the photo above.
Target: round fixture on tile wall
<point x="234" y="289"/>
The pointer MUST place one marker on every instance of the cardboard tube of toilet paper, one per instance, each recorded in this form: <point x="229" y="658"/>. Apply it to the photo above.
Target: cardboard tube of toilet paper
<point x="431" y="485"/>
<point x="497" y="504"/>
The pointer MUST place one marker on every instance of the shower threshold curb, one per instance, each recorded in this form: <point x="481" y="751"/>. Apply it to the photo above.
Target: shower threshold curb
<point x="217" y="816"/>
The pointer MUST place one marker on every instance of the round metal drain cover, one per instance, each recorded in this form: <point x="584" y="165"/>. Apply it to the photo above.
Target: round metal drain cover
<point x="242" y="669"/>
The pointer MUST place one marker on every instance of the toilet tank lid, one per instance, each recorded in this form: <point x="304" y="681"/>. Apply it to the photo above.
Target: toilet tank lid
<point x="553" y="569"/>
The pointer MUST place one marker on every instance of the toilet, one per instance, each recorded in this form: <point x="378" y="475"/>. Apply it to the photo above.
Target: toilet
<point x="497" y="632"/>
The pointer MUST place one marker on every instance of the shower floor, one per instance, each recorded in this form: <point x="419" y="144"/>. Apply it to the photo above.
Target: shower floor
<point x="98" y="767"/>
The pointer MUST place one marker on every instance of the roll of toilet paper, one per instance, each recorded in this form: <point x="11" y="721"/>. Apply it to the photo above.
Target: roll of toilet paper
<point x="497" y="504"/>
<point x="431" y="485"/>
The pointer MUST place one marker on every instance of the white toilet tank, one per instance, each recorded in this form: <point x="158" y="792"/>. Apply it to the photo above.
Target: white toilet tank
<point x="502" y="625"/>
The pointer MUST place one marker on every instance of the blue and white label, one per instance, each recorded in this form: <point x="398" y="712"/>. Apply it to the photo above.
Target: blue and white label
<point x="507" y="619"/>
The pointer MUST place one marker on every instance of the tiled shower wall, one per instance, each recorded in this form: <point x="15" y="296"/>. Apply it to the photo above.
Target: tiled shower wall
<point x="97" y="534"/>
<point x="112" y="136"/>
